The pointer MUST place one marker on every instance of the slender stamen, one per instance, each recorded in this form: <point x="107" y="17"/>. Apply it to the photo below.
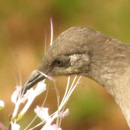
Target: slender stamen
<point x="45" y="42"/>
<point x="37" y="115"/>
<point x="69" y="92"/>
<point x="51" y="41"/>
<point x="67" y="87"/>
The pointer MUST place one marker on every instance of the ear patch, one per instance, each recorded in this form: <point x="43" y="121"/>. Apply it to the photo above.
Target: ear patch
<point x="79" y="59"/>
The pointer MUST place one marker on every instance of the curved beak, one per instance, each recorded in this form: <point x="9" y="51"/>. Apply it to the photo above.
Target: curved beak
<point x="34" y="78"/>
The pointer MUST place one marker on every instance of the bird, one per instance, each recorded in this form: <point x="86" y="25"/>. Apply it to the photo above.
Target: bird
<point x="90" y="53"/>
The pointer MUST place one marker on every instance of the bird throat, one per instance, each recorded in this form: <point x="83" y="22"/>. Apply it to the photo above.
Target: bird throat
<point x="120" y="89"/>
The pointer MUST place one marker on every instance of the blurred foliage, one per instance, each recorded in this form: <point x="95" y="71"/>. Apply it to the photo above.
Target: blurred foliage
<point x="90" y="105"/>
<point x="22" y="34"/>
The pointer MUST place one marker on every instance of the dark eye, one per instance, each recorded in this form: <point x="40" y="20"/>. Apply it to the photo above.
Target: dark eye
<point x="58" y="62"/>
<point x="61" y="62"/>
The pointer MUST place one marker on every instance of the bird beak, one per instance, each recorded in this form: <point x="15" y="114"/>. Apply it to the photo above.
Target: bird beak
<point x="34" y="78"/>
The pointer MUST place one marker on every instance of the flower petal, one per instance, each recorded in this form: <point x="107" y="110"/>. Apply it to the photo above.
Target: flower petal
<point x="15" y="126"/>
<point x="41" y="87"/>
<point x="1" y="105"/>
<point x="42" y="113"/>
<point x="15" y="94"/>
<point x="50" y="127"/>
<point x="65" y="113"/>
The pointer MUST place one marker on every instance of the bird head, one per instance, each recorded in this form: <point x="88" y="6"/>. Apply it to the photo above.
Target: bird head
<point x="83" y="51"/>
<point x="69" y="55"/>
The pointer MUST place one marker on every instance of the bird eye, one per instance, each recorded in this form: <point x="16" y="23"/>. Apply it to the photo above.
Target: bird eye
<point x="60" y="62"/>
<point x="57" y="62"/>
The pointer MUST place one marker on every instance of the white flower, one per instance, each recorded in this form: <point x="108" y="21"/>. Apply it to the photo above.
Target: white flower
<point x="15" y="126"/>
<point x="50" y="127"/>
<point x="42" y="113"/>
<point x="2" y="103"/>
<point x="41" y="87"/>
<point x="15" y="94"/>
<point x="18" y="100"/>
<point x="58" y="115"/>
<point x="30" y="95"/>
<point x="65" y="113"/>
